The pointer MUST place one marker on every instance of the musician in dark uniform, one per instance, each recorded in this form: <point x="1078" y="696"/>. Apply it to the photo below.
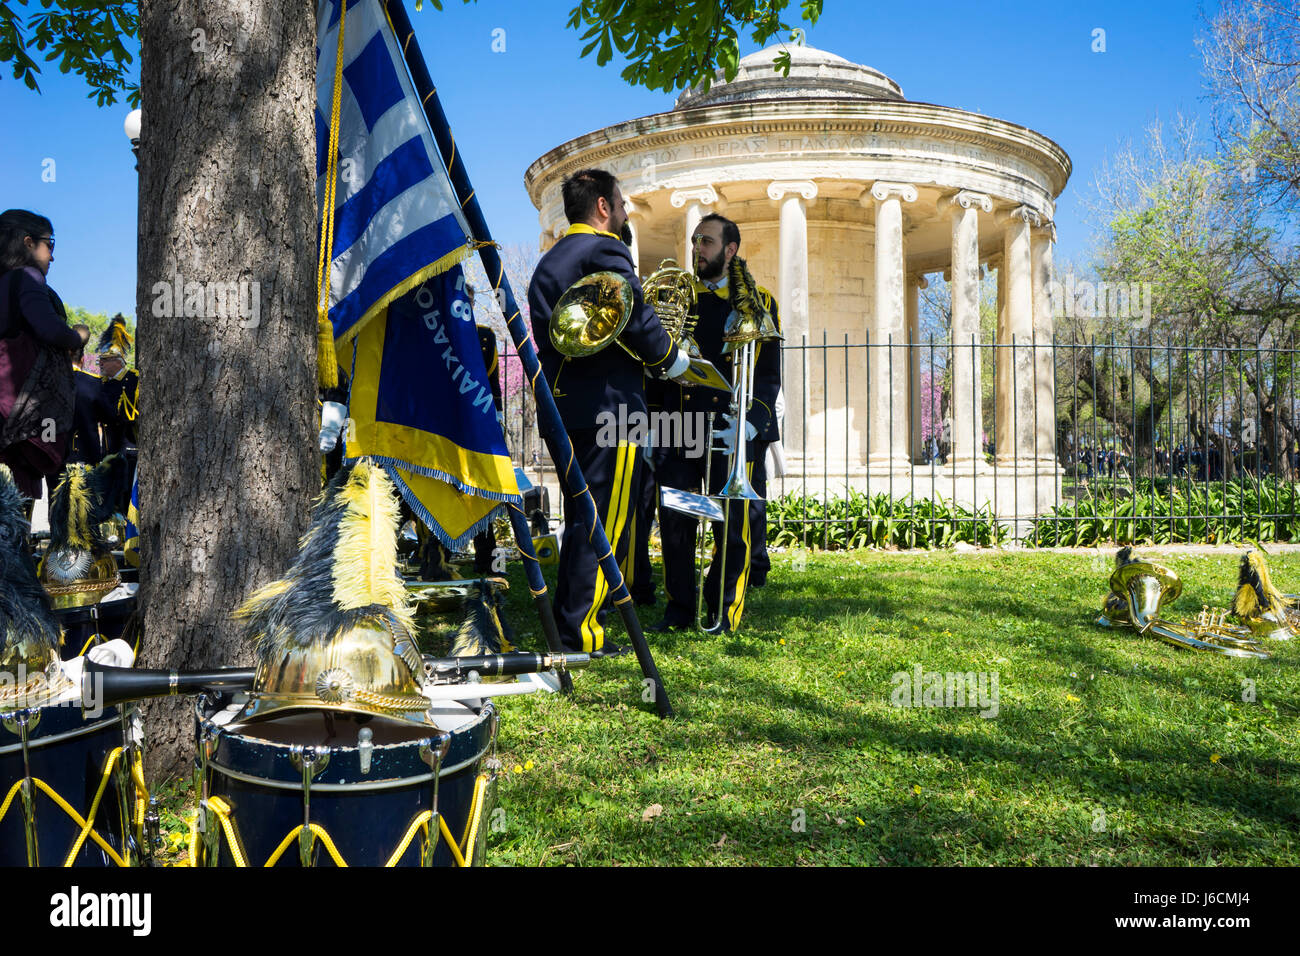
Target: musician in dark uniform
<point x="584" y="388"/>
<point x="723" y="284"/>
<point x="120" y="390"/>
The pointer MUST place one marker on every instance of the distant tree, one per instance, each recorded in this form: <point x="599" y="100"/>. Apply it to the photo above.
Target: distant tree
<point x="1251" y="52"/>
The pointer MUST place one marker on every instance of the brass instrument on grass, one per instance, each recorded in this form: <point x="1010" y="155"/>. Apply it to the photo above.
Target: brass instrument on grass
<point x="1139" y="590"/>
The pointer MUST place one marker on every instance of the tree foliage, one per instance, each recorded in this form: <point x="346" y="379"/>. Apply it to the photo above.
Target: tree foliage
<point x="86" y="37"/>
<point x="670" y="46"/>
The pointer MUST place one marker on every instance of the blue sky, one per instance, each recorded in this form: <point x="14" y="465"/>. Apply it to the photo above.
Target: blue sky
<point x="1027" y="62"/>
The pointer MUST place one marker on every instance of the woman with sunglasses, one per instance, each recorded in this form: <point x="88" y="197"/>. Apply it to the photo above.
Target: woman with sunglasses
<point x="37" y="389"/>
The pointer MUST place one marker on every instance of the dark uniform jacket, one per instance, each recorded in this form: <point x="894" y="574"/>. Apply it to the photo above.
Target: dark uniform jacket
<point x="713" y="309"/>
<point x="120" y="396"/>
<point x="87" y="415"/>
<point x="583" y="387"/>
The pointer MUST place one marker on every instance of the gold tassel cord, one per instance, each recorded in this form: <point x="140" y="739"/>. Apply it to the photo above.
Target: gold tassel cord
<point x="326" y="359"/>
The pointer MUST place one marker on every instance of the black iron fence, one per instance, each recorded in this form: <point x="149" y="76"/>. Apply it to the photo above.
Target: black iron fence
<point x="1041" y="442"/>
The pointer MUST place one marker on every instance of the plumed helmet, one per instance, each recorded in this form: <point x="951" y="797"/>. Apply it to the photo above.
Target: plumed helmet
<point x="78" y="567"/>
<point x="337" y="633"/>
<point x="115" y="340"/>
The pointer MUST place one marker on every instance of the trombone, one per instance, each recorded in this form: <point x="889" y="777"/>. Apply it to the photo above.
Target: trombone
<point x="740" y="338"/>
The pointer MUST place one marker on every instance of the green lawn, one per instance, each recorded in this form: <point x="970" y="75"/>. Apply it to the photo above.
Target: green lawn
<point x="1107" y="748"/>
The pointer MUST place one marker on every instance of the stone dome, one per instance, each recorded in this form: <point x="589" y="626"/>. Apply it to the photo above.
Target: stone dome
<point x="814" y="74"/>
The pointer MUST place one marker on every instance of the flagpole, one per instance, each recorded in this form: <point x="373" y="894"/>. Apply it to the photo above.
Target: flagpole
<point x="548" y="415"/>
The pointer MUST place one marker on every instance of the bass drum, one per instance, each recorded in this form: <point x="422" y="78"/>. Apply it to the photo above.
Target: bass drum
<point x="95" y="624"/>
<point x="331" y="788"/>
<point x="76" y="796"/>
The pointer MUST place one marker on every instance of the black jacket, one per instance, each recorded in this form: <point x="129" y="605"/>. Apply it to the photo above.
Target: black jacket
<point x="88" y="412"/>
<point x="584" y="387"/>
<point x="120" y="418"/>
<point x="713" y="309"/>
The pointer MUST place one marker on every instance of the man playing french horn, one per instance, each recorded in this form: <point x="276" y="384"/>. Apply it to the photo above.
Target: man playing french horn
<point x="731" y="310"/>
<point x="589" y="380"/>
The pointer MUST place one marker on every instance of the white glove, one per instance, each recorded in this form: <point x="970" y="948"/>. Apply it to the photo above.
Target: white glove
<point x="727" y="434"/>
<point x="332" y="417"/>
<point x="680" y="364"/>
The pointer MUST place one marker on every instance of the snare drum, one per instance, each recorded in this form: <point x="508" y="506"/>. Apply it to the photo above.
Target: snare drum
<point x="94" y="624"/>
<point x="74" y="795"/>
<point x="329" y="788"/>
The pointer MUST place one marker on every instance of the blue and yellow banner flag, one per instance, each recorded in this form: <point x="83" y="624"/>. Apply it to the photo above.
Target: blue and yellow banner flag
<point x="396" y="220"/>
<point x="422" y="406"/>
<point x="420" y="401"/>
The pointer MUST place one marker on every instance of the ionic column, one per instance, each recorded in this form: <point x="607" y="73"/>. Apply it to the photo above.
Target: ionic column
<point x="792" y="301"/>
<point x="966" y="408"/>
<point x="634" y="225"/>
<point x="1041" y="241"/>
<point x="888" y="402"/>
<point x="694" y="201"/>
<point x="1015" y="389"/>
<point x="915" y="283"/>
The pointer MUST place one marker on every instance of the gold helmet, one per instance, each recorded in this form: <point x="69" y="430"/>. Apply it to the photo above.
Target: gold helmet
<point x="337" y="633"/>
<point x="30" y="670"/>
<point x="78" y="568"/>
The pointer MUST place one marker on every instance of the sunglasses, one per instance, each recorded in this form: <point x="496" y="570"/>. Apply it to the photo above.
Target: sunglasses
<point x="48" y="240"/>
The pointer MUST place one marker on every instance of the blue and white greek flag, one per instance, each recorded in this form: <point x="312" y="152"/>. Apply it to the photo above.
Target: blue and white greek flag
<point x="397" y="221"/>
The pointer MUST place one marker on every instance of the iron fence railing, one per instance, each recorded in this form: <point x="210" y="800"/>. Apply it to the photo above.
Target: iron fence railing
<point x="1037" y="437"/>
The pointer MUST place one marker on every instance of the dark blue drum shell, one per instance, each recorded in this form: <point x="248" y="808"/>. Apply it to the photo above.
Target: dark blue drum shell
<point x="68" y="752"/>
<point x="107" y="619"/>
<point x="366" y="815"/>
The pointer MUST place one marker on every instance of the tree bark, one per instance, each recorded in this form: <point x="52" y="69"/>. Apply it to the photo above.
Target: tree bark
<point x="227" y="196"/>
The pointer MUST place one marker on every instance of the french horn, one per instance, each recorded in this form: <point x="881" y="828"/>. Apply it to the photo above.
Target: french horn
<point x="670" y="291"/>
<point x="592" y="313"/>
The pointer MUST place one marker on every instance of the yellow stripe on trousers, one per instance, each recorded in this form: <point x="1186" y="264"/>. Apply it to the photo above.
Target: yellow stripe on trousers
<point x="593" y="635"/>
<point x="737" y="605"/>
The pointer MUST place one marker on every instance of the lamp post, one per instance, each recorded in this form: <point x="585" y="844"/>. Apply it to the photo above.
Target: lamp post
<point x="132" y="129"/>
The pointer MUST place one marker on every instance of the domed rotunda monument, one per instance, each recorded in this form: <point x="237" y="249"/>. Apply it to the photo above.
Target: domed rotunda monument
<point x="847" y="195"/>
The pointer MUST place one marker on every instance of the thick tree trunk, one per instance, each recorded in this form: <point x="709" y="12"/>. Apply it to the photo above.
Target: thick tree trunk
<point x="227" y="384"/>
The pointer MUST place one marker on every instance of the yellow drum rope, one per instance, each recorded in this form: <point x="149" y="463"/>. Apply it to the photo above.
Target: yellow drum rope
<point x="87" y="824"/>
<point x="462" y="854"/>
